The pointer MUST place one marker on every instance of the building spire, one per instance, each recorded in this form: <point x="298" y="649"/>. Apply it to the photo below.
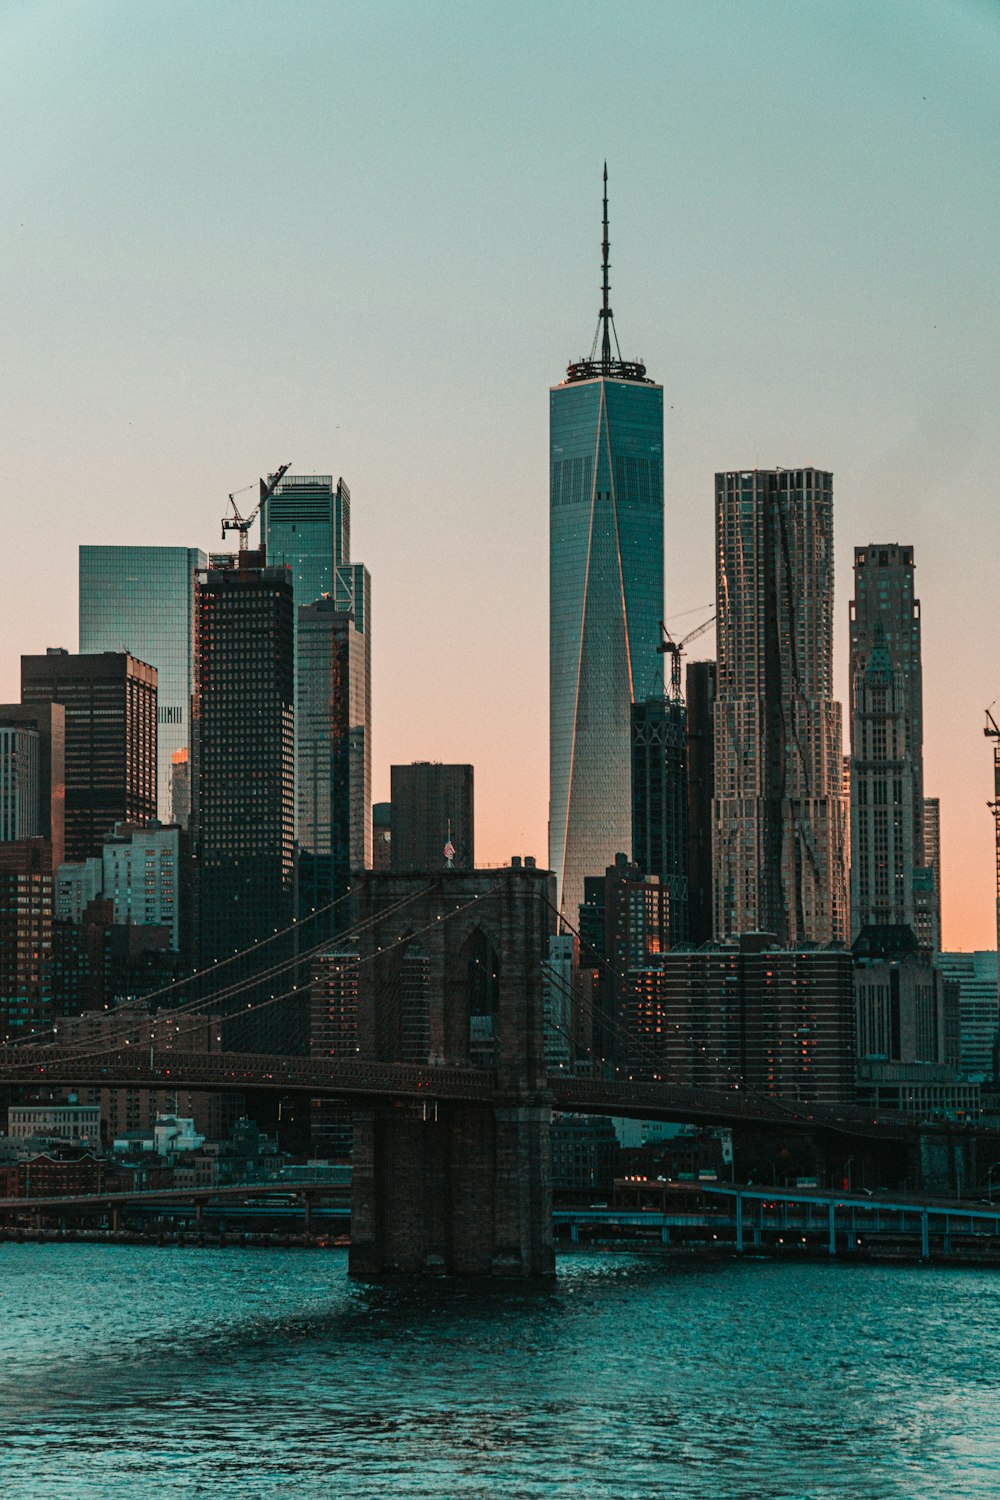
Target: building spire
<point x="606" y="313"/>
<point x="609" y="366"/>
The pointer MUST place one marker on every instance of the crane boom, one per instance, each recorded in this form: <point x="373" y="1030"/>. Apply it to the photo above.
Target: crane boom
<point x="675" y="650"/>
<point x="242" y="524"/>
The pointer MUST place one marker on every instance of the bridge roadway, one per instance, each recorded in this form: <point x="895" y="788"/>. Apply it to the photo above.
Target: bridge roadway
<point x="354" y="1078"/>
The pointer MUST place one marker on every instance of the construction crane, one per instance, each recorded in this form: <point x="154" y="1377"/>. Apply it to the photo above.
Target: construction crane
<point x="242" y="524"/>
<point x="675" y="650"/>
<point x="992" y="732"/>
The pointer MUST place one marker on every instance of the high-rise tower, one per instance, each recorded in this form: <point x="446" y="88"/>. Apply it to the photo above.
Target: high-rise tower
<point x="306" y="526"/>
<point x="605" y="594"/>
<point x="141" y="599"/>
<point x="779" y="817"/>
<point x="887" y="796"/>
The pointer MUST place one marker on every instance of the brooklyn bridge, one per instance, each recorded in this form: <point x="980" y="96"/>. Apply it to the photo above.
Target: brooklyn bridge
<point x="451" y="1161"/>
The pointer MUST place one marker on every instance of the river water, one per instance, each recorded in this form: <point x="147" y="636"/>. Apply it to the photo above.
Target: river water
<point x="256" y="1374"/>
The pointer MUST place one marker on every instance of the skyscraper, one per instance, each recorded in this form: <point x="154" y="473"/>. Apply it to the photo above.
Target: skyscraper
<point x="44" y="802"/>
<point x="779" y="817"/>
<point x="432" y="807"/>
<point x="887" y="801"/>
<point x="333" y="757"/>
<point x="306" y="526"/>
<point x="243" y="811"/>
<point x="659" y="802"/>
<point x="605" y="595"/>
<point x="110" y="739"/>
<point x="700" y="762"/>
<point x="141" y="600"/>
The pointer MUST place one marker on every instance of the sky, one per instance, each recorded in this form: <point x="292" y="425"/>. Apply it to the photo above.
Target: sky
<point x="364" y="238"/>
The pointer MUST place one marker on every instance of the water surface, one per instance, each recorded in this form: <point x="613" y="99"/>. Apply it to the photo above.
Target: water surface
<point x="250" y="1375"/>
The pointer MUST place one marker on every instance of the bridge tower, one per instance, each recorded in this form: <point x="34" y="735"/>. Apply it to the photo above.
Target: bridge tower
<point x="450" y="972"/>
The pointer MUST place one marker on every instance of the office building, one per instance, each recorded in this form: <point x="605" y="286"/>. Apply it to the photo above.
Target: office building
<point x="34" y="801"/>
<point x="979" y="1010"/>
<point x="141" y="600"/>
<point x="700" y="765"/>
<point x="306" y="526"/>
<point x="243" y="768"/>
<point x="332" y="756"/>
<point x="381" y="835"/>
<point x="887" y="802"/>
<point x="145" y="873"/>
<point x="927" y="882"/>
<point x="778" y="1021"/>
<point x="110" y="702"/>
<point x="779" y="816"/>
<point x="432" y="813"/>
<point x="659" y="802"/>
<point x="907" y="1026"/>
<point x="25" y="936"/>
<point x="20" y="775"/>
<point x="605" y="597"/>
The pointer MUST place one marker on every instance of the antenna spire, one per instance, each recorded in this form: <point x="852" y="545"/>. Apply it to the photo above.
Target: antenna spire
<point x="606" y="313"/>
<point x="610" y="365"/>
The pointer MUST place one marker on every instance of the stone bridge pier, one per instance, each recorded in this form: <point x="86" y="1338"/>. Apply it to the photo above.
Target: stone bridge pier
<point x="449" y="972"/>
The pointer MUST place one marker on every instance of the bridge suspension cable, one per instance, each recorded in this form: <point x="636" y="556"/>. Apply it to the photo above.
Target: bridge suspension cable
<point x="98" y="1050"/>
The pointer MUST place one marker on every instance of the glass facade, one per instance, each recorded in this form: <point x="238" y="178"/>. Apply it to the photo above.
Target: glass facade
<point x="306" y="526"/>
<point x="141" y="600"/>
<point x="605" y="607"/>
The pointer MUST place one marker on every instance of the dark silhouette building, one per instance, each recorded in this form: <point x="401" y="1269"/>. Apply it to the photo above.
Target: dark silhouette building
<point x="109" y="700"/>
<point x="659" y="802"/>
<point x="432" y="810"/>
<point x="777" y="1021"/>
<point x="700" y="766"/>
<point x="243" y="798"/>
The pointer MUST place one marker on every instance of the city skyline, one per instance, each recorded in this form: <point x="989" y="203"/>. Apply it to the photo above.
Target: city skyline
<point x="844" y="324"/>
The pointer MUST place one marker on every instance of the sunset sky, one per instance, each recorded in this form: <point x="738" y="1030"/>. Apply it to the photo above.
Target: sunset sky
<point x="364" y="238"/>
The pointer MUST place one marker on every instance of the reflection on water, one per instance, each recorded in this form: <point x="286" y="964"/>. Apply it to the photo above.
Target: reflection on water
<point x="251" y="1375"/>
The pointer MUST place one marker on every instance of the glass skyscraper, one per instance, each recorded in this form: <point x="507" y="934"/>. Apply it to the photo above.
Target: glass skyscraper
<point x="141" y="600"/>
<point x="605" y="598"/>
<point x="306" y="526"/>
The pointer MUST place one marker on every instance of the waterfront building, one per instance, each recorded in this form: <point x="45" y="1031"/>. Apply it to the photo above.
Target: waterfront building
<point x="979" y="1011"/>
<point x="779" y="816"/>
<point x="775" y="1020"/>
<point x="887" y="801"/>
<point x="700" y="767"/>
<point x="78" y="1123"/>
<point x="605" y="596"/>
<point x="433" y="809"/>
<point x="306" y="526"/>
<point x="110" y="740"/>
<point x="141" y="600"/>
<point x="243" y="765"/>
<point x="660" y="802"/>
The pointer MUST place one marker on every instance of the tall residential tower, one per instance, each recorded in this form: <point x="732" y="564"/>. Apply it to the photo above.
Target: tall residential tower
<point x="605" y="595"/>
<point x="887" y="793"/>
<point x="779" y="817"/>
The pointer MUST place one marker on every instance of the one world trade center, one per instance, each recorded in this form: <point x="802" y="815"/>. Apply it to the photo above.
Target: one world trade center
<point x="605" y="595"/>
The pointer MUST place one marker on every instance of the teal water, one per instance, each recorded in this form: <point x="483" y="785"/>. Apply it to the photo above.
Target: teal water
<point x="251" y="1375"/>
